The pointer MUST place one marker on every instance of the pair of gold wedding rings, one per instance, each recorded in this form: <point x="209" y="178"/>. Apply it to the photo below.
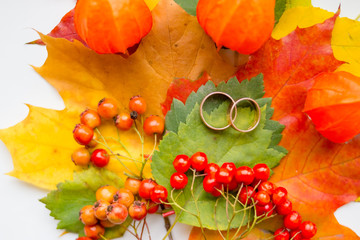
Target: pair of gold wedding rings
<point x="233" y="113"/>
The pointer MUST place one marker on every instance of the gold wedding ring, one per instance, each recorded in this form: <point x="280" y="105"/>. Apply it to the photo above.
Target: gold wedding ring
<point x="232" y="109"/>
<point x="201" y="110"/>
<point x="256" y="120"/>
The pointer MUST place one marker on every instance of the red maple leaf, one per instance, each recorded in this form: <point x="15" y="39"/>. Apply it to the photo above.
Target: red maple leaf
<point x="65" y="29"/>
<point x="319" y="175"/>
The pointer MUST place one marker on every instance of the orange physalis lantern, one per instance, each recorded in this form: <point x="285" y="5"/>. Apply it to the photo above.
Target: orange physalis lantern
<point x="333" y="104"/>
<point x="109" y="26"/>
<point x="241" y="25"/>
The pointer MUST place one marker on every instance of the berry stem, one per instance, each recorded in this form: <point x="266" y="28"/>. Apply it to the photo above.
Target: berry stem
<point x="216" y="223"/>
<point x="146" y="159"/>
<point x="195" y="201"/>
<point x="168" y="226"/>
<point x="127" y="158"/>
<point x="107" y="146"/>
<point x="143" y="227"/>
<point x="168" y="233"/>
<point x="103" y="237"/>
<point x="122" y="144"/>
<point x="168" y="213"/>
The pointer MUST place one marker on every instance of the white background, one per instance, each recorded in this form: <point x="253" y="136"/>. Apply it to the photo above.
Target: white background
<point x="23" y="216"/>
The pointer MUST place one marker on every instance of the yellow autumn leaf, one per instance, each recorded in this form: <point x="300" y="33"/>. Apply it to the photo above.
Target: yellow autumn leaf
<point x="345" y="43"/>
<point x="301" y="17"/>
<point x="151" y="3"/>
<point x="177" y="46"/>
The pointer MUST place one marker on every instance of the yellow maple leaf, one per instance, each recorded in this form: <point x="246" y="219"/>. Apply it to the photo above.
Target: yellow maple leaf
<point x="177" y="46"/>
<point x="301" y="17"/>
<point x="346" y="45"/>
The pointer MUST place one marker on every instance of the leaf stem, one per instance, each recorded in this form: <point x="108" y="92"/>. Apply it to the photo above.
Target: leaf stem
<point x="146" y="159"/>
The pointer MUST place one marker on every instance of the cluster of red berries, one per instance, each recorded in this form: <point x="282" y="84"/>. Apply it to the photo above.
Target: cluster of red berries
<point x="113" y="206"/>
<point x="108" y="109"/>
<point x="255" y="189"/>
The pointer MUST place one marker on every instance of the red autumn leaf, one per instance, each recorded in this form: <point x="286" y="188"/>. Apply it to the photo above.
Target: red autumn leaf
<point x="180" y="89"/>
<point x="65" y="29"/>
<point x="331" y="104"/>
<point x="319" y="175"/>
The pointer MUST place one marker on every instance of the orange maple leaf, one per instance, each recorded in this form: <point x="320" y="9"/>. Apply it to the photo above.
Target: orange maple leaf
<point x="176" y="47"/>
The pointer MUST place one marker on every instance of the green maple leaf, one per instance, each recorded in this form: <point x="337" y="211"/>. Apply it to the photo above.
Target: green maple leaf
<point x="187" y="135"/>
<point x="70" y="196"/>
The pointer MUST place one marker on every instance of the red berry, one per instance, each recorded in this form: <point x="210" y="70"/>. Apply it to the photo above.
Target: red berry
<point x="146" y="187"/>
<point x="123" y="121"/>
<point x="232" y="185"/>
<point x="137" y="210"/>
<point x="279" y="195"/>
<point x="100" y="158"/>
<point x="308" y="229"/>
<point x="154" y="125"/>
<point x="267" y="209"/>
<point x="246" y="194"/>
<point x="181" y="163"/>
<point x="106" y="193"/>
<point x="261" y="171"/>
<point x="90" y="118"/>
<point x="230" y="166"/>
<point x="94" y="141"/>
<point x="94" y="231"/>
<point x="137" y="104"/>
<point x="268" y="187"/>
<point x="282" y="234"/>
<point x="81" y="157"/>
<point x="292" y="221"/>
<point x="117" y="213"/>
<point x="296" y="235"/>
<point x="83" y="238"/>
<point x="124" y="196"/>
<point x="83" y="134"/>
<point x="223" y="176"/>
<point x="151" y="206"/>
<point x="178" y="180"/>
<point x="199" y="161"/>
<point x="133" y="185"/>
<point x="211" y="185"/>
<point x="262" y="198"/>
<point x="87" y="216"/>
<point x="284" y="208"/>
<point x="106" y="223"/>
<point x="211" y="169"/>
<point x="100" y="208"/>
<point x="107" y="108"/>
<point x="245" y="175"/>
<point x="159" y="194"/>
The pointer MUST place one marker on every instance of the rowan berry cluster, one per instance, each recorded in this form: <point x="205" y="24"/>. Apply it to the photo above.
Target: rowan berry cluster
<point x="86" y="133"/>
<point x="252" y="188"/>
<point x="113" y="206"/>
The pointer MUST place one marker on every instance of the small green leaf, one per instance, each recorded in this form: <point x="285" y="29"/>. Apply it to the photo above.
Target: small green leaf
<point x="191" y="136"/>
<point x="70" y="196"/>
<point x="188" y="5"/>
